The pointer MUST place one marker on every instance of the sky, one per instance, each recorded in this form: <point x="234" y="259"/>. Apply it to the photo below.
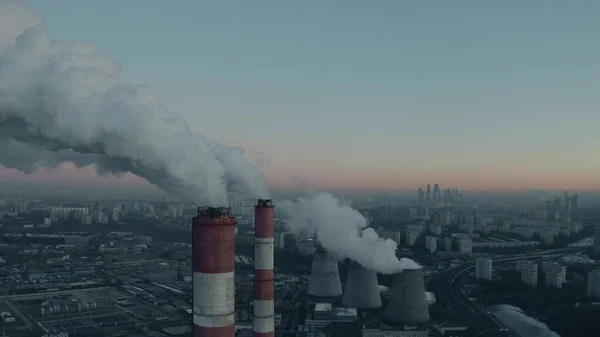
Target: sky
<point x="361" y="95"/>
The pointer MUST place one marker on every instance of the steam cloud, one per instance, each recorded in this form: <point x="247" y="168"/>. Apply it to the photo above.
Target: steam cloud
<point x="343" y="230"/>
<point x="64" y="102"/>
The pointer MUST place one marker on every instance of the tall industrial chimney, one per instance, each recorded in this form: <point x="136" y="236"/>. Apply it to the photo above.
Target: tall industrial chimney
<point x="362" y="290"/>
<point x="408" y="302"/>
<point x="213" y="249"/>
<point x="264" y="292"/>
<point x="324" y="278"/>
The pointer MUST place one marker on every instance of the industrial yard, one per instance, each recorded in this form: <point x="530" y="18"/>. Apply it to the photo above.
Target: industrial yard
<point x="90" y="312"/>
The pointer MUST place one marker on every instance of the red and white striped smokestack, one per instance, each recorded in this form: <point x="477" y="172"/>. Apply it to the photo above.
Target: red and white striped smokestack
<point x="213" y="249"/>
<point x="264" y="292"/>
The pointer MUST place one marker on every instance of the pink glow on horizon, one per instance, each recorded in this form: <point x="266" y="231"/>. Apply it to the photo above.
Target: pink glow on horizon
<point x="280" y="177"/>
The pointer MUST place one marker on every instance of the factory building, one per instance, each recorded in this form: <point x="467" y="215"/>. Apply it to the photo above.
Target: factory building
<point x="403" y="331"/>
<point x="483" y="269"/>
<point x="328" y="320"/>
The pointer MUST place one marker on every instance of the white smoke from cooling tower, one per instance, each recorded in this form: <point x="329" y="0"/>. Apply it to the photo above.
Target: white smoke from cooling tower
<point x="64" y="102"/>
<point x="343" y="231"/>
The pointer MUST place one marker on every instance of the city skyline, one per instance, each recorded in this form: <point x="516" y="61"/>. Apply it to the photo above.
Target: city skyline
<point x="427" y="98"/>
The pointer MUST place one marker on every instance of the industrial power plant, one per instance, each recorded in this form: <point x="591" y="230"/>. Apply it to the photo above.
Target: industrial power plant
<point x="213" y="257"/>
<point x="214" y="313"/>
<point x="108" y="264"/>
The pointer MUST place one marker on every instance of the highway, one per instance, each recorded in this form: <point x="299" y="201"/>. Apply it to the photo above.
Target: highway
<point x="448" y="291"/>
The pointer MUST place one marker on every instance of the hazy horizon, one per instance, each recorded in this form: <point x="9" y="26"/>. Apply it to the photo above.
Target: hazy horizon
<point x="484" y="97"/>
<point x="84" y="178"/>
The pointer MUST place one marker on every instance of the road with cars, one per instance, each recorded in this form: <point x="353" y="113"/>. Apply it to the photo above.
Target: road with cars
<point x="448" y="291"/>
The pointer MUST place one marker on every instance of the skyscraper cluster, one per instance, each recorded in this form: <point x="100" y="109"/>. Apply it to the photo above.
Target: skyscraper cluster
<point x="448" y="196"/>
<point x="562" y="208"/>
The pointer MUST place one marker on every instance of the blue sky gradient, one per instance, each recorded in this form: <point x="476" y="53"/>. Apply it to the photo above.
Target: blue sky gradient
<point x="357" y="94"/>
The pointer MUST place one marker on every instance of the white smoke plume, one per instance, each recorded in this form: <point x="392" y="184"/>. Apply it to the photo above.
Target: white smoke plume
<point x="343" y="231"/>
<point x="64" y="102"/>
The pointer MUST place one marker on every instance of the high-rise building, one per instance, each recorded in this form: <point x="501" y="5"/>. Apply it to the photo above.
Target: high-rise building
<point x="593" y="284"/>
<point x="151" y="211"/>
<point x="435" y="229"/>
<point x="435" y="218"/>
<point x="555" y="274"/>
<point x="413" y="214"/>
<point x="566" y="202"/>
<point x="446" y="219"/>
<point x="556" y="205"/>
<point x="431" y="244"/>
<point x="428" y="195"/>
<point x="280" y="240"/>
<point x="421" y="195"/>
<point x="529" y="273"/>
<point x="597" y="240"/>
<point x="574" y="203"/>
<point x="411" y="237"/>
<point x="483" y="269"/>
<point x="547" y="236"/>
<point x="115" y="214"/>
<point x="436" y="193"/>
<point x="448" y="244"/>
<point x="552" y="279"/>
<point x="465" y="246"/>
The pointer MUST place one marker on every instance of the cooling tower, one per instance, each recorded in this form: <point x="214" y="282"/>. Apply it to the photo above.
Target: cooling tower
<point x="362" y="290"/>
<point x="213" y="258"/>
<point x="408" y="302"/>
<point x="324" y="278"/>
<point x="264" y="292"/>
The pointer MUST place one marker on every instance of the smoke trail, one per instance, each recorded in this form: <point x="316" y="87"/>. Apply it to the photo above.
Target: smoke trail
<point x="64" y="102"/>
<point x="343" y="231"/>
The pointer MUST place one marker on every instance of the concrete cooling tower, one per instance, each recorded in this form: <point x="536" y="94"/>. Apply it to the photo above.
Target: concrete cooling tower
<point x="362" y="291"/>
<point x="408" y="302"/>
<point x="324" y="278"/>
